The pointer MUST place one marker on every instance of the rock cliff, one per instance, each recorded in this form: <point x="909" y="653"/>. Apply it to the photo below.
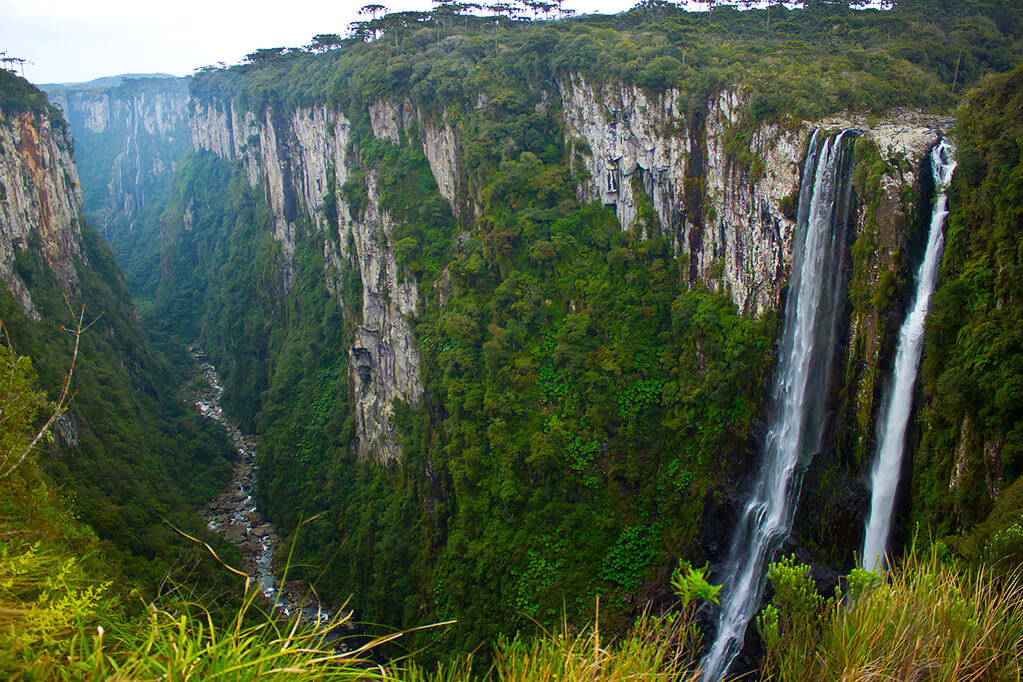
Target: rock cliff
<point x="300" y="158"/>
<point x="39" y="199"/>
<point x="128" y="138"/>
<point x="728" y="219"/>
<point x="731" y="223"/>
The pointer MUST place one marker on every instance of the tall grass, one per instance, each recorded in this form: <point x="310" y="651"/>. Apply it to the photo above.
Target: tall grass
<point x="929" y="620"/>
<point x="185" y="642"/>
<point x="657" y="648"/>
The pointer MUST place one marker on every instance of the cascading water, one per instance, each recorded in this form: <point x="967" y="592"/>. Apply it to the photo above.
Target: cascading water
<point x="892" y="429"/>
<point x="796" y="412"/>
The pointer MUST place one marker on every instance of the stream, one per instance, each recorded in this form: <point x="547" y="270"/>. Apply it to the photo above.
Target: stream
<point x="233" y="513"/>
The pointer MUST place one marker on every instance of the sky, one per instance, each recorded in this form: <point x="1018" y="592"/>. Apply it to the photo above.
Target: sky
<point x="78" y="40"/>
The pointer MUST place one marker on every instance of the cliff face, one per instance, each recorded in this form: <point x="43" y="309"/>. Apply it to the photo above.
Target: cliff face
<point x="39" y="198"/>
<point x="301" y="158"/>
<point x="128" y="139"/>
<point x="729" y="222"/>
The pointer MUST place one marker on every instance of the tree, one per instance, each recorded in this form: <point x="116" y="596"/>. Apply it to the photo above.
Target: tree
<point x="324" y="42"/>
<point x="446" y="9"/>
<point x="361" y="31"/>
<point x="372" y="10"/>
<point x="265" y="55"/>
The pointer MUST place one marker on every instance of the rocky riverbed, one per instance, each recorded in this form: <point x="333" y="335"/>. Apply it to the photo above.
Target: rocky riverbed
<point x="234" y="515"/>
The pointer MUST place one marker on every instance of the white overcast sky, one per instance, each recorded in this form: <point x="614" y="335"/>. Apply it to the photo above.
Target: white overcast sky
<point x="78" y="40"/>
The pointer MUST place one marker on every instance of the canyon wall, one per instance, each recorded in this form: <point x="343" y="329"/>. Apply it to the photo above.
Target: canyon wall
<point x="128" y="137"/>
<point x="40" y="199"/>
<point x="299" y="158"/>
<point x="732" y="224"/>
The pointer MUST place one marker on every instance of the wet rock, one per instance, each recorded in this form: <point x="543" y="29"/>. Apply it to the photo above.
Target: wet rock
<point x="235" y="534"/>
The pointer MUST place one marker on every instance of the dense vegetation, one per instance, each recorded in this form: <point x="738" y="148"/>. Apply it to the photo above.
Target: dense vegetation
<point x="17" y="96"/>
<point x="552" y="412"/>
<point x="971" y="456"/>
<point x="130" y="454"/>
<point x="802" y="63"/>
<point x="584" y="407"/>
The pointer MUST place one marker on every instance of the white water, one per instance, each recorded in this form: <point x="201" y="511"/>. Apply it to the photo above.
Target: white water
<point x="796" y="411"/>
<point x="892" y="429"/>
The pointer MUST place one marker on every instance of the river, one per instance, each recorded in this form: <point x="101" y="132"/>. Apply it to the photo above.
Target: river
<point x="233" y="513"/>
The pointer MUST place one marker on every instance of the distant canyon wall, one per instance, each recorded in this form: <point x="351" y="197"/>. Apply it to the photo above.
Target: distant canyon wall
<point x="129" y="138"/>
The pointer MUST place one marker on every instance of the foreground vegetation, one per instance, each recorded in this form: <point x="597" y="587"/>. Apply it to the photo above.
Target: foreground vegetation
<point x="64" y="618"/>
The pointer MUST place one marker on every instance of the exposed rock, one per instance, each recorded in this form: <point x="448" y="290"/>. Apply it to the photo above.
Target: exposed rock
<point x="146" y="122"/>
<point x="742" y="244"/>
<point x="383" y="357"/>
<point x="39" y="194"/>
<point x="735" y="231"/>
<point x="388" y="118"/>
<point x="441" y="150"/>
<point x="296" y="155"/>
<point x="735" y="234"/>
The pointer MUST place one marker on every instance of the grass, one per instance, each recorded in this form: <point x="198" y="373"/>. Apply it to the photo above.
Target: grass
<point x="928" y="620"/>
<point x="186" y="643"/>
<point x="656" y="648"/>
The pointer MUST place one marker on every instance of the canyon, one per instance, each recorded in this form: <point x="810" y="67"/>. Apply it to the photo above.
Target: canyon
<point x="529" y="332"/>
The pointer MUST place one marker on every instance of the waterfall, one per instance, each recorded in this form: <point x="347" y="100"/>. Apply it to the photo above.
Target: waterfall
<point x="891" y="432"/>
<point x="796" y="409"/>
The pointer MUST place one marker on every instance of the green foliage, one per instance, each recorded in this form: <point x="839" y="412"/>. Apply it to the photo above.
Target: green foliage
<point x="627" y="561"/>
<point x="927" y="620"/>
<point x="972" y="370"/>
<point x="862" y="582"/>
<point x="182" y="640"/>
<point x="691" y="584"/>
<point x="789" y="625"/>
<point x="1005" y="547"/>
<point x="572" y="386"/>
<point x="792" y="63"/>
<point x="18" y="96"/>
<point x="21" y="405"/>
<point x="655" y="648"/>
<point x="130" y="451"/>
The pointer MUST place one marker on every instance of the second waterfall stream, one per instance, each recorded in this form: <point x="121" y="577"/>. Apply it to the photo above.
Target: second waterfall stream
<point x="899" y="404"/>
<point x="796" y="411"/>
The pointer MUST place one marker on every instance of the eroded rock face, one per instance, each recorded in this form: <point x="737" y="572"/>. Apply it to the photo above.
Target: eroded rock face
<point x="729" y="222"/>
<point x="40" y="195"/>
<point x="134" y="133"/>
<point x="300" y="158"/>
<point x="441" y="149"/>
<point x="729" y="227"/>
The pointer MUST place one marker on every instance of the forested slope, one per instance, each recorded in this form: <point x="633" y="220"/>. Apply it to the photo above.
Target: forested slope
<point x="129" y="451"/>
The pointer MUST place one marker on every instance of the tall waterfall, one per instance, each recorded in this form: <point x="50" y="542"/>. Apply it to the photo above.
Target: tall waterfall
<point x="892" y="429"/>
<point x="796" y="411"/>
